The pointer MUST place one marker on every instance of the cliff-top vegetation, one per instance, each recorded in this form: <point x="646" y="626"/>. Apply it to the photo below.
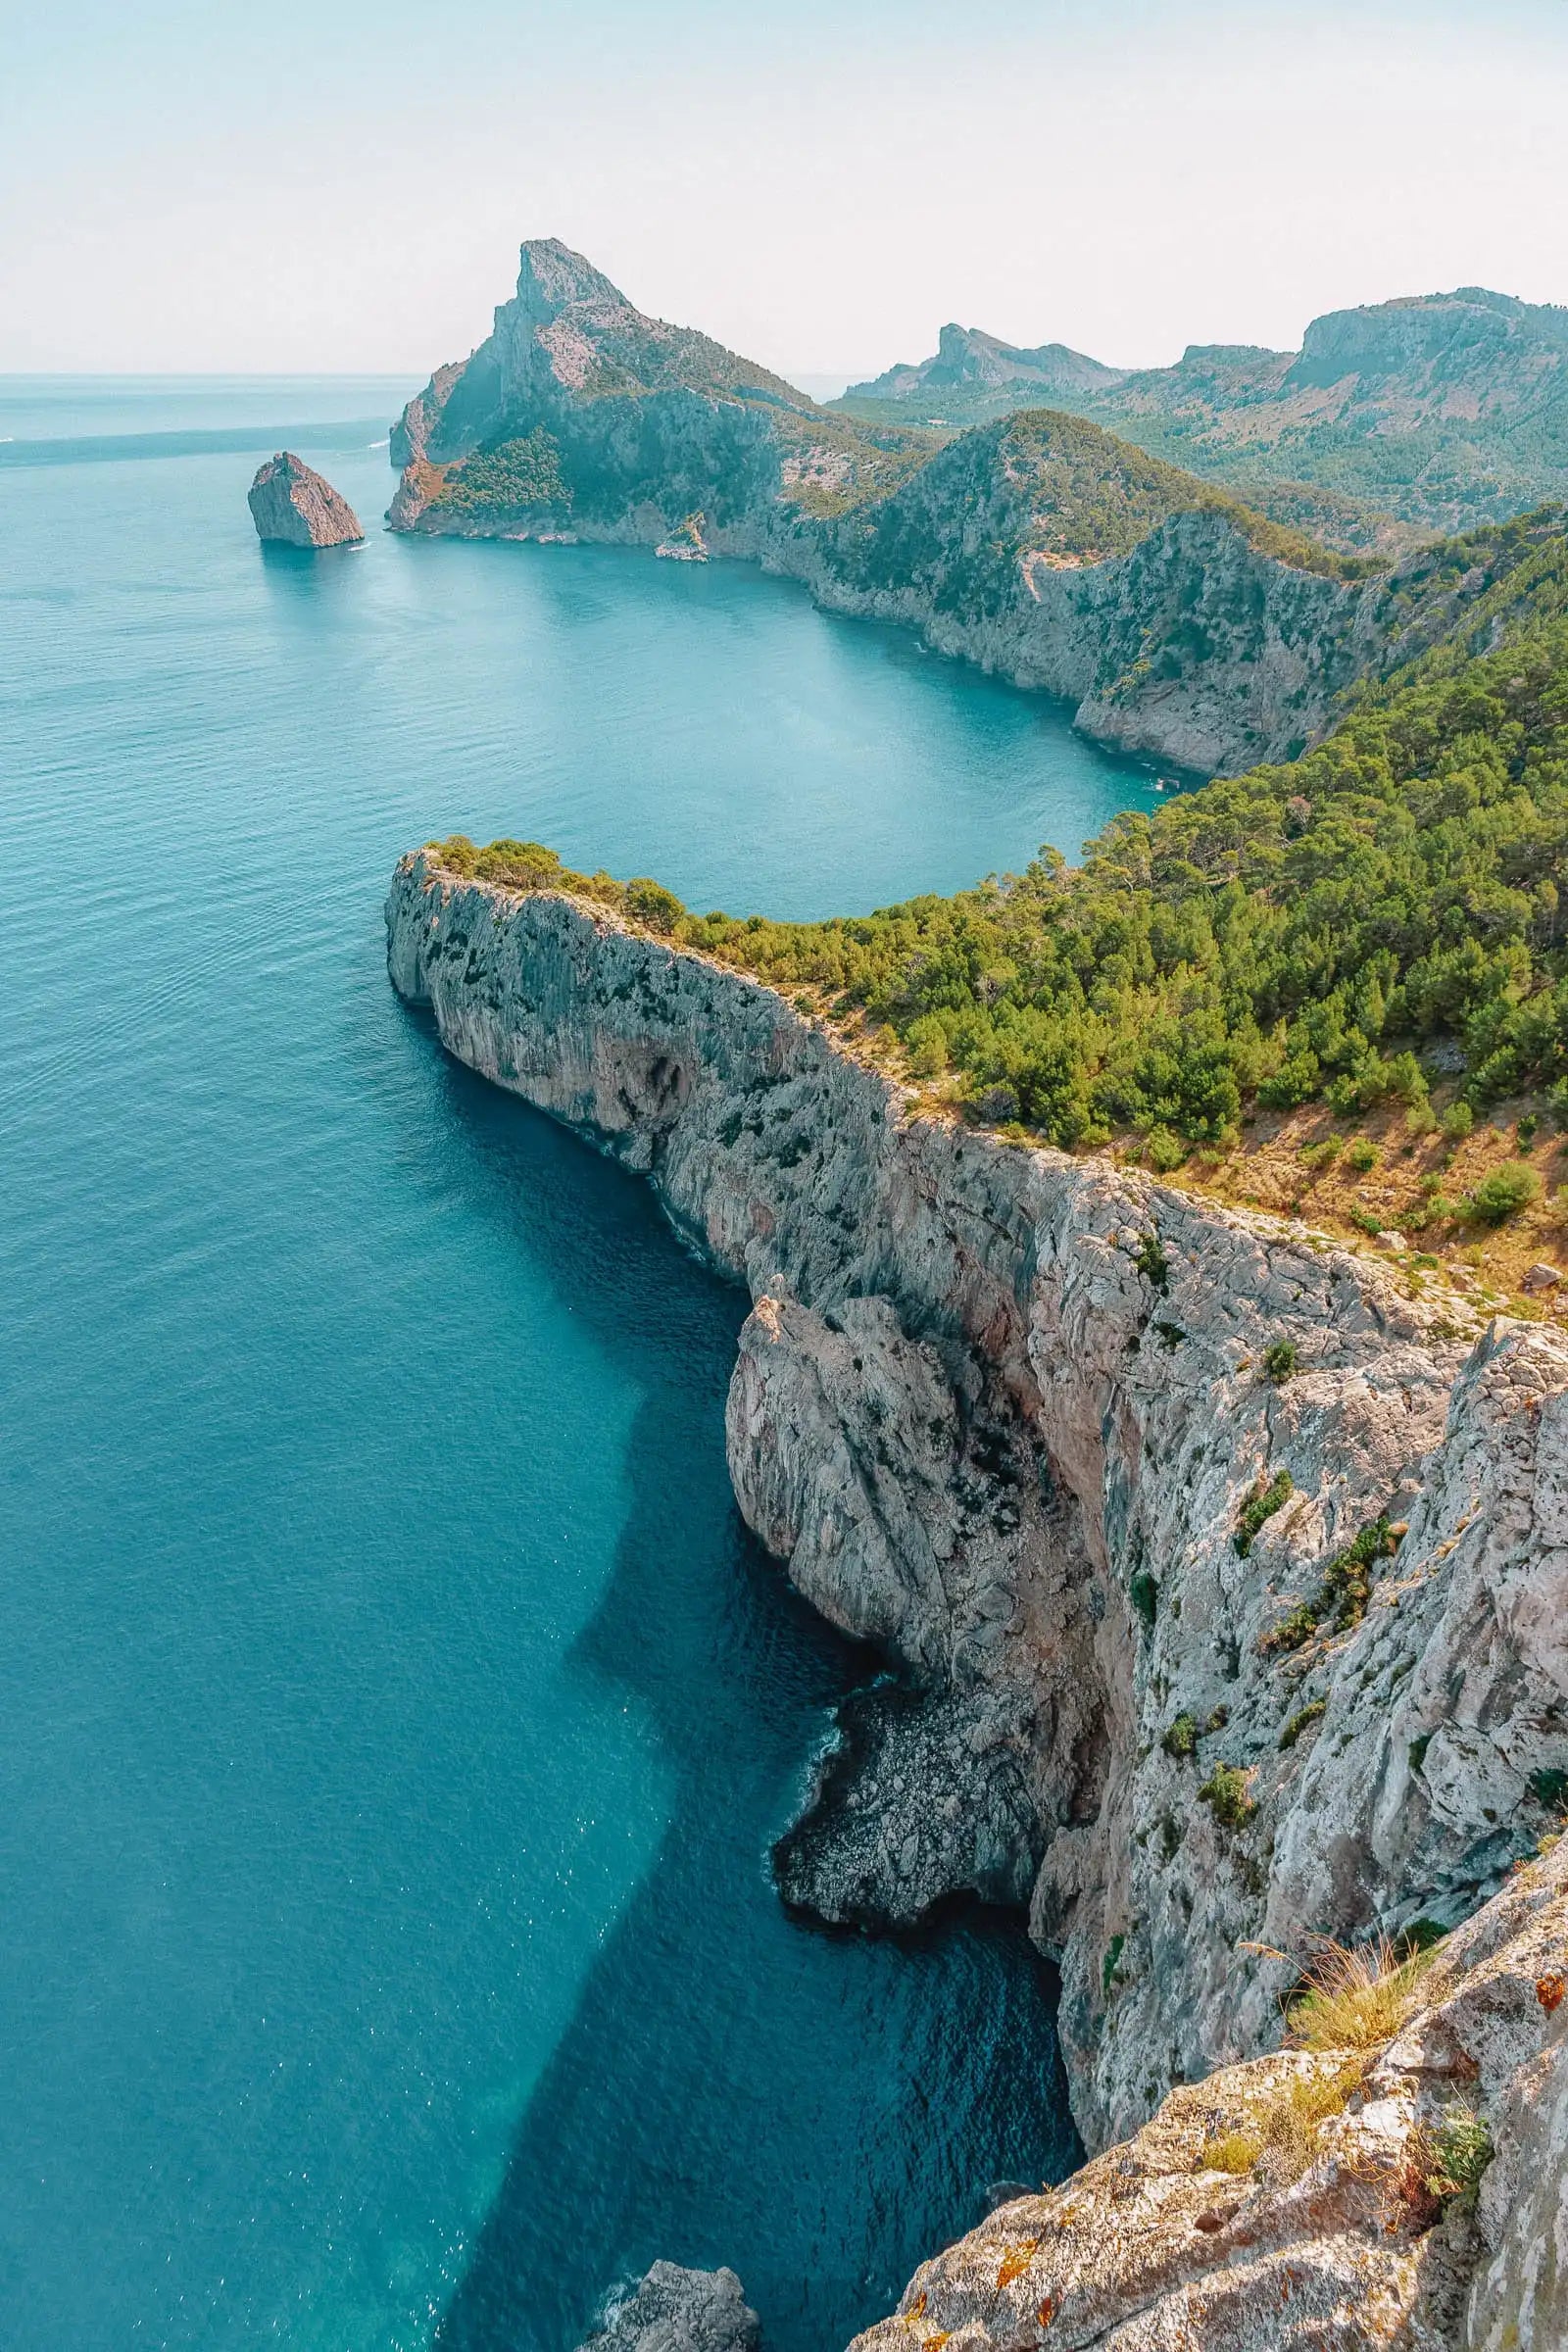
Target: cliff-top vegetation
<point x="1092" y="495"/>
<point x="1335" y="931"/>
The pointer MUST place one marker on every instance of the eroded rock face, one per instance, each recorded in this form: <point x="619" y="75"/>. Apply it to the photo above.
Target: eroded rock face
<point x="292" y="504"/>
<point x="675" y="2310"/>
<point x="1279" y="644"/>
<point x="1299" y="2202"/>
<point x="1002" y="1411"/>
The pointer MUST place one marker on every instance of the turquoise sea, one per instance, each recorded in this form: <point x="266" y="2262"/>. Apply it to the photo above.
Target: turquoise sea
<point x="394" y="1713"/>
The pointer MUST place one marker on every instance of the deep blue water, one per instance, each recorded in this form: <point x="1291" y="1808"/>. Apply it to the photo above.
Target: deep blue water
<point x="394" y="1714"/>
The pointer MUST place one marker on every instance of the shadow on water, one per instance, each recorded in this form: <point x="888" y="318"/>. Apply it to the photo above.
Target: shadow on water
<point x="818" y="2111"/>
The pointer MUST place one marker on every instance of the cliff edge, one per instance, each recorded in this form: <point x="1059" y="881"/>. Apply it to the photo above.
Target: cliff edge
<point x="1225" y="1582"/>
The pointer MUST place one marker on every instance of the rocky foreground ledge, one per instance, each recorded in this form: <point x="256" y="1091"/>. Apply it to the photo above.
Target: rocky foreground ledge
<point x="1227" y="1583"/>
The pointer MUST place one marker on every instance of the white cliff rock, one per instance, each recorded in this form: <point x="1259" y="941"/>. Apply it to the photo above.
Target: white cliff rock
<point x="1003" y="1411"/>
<point x="1341" y="2231"/>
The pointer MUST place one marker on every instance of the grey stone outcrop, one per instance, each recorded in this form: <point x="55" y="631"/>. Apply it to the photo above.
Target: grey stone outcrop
<point x="676" y="2310"/>
<point x="296" y="506"/>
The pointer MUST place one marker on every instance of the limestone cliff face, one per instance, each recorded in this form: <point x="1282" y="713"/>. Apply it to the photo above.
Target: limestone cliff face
<point x="292" y="504"/>
<point x="1299" y="2201"/>
<point x="1002" y="1411"/>
<point x="1192" y="648"/>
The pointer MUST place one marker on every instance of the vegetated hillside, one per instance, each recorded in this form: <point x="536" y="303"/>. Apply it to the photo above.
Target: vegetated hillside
<point x="1298" y="933"/>
<point x="1044" y="484"/>
<point x="1178" y="620"/>
<point x="1445" y="410"/>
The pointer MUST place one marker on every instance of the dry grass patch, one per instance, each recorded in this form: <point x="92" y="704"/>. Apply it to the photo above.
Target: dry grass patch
<point x="1437" y="1189"/>
<point x="1284" y="2131"/>
<point x="1357" y="1996"/>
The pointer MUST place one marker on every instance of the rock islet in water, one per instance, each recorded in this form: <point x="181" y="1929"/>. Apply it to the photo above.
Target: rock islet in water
<point x="295" y="507"/>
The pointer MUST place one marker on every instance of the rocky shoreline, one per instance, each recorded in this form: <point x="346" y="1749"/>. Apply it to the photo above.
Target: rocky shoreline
<point x="1202" y="1660"/>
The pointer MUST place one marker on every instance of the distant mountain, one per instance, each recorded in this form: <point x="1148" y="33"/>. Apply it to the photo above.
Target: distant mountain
<point x="1445" y="410"/>
<point x="644" y="418"/>
<point x="976" y="366"/>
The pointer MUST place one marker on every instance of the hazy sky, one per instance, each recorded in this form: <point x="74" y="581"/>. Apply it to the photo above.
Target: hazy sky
<point x="341" y="184"/>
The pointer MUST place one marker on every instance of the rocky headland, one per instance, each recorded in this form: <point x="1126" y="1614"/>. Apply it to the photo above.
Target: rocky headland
<point x="1178" y="620"/>
<point x="1225" y="1590"/>
<point x="293" y="505"/>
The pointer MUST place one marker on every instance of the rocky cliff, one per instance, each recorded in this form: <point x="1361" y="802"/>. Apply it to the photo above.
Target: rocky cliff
<point x="1405" y="2187"/>
<point x="1170" y="1672"/>
<point x="295" y="505"/>
<point x="1189" y="643"/>
<point x="1226" y="1585"/>
<point x="1177" y="621"/>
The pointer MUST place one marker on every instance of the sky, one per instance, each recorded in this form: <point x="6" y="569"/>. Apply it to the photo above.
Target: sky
<point x="337" y="185"/>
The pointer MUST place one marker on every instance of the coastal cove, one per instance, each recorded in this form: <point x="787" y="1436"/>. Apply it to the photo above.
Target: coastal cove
<point x="397" y="1712"/>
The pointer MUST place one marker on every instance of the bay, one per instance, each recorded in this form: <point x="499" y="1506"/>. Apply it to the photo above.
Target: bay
<point x="394" y="1713"/>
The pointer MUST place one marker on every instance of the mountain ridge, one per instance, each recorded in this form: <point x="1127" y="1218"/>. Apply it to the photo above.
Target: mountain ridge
<point x="1447" y="408"/>
<point x="1179" y="620"/>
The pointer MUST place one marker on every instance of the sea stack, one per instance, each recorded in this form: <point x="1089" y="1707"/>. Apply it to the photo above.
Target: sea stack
<point x="290" y="503"/>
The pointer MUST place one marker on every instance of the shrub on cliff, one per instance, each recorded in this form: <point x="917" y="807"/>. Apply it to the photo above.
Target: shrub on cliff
<point x="1267" y="1497"/>
<point x="524" y="864"/>
<point x="1504" y="1192"/>
<point x="1226" y="1794"/>
<point x="649" y="902"/>
<point x="513" y="478"/>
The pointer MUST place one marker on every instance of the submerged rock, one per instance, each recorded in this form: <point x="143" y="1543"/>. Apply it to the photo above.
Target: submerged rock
<point x="674" y="2310"/>
<point x="292" y="504"/>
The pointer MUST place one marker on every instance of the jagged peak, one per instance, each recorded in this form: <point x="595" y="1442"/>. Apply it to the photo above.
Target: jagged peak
<point x="552" y="277"/>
